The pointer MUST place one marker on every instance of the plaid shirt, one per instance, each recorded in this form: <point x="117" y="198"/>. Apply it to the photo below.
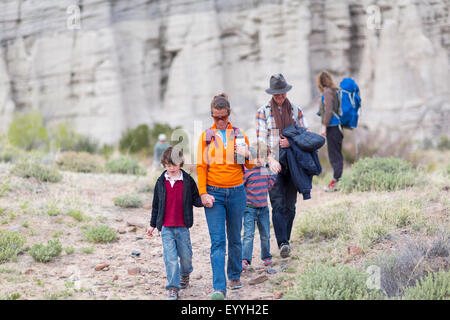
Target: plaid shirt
<point x="267" y="133"/>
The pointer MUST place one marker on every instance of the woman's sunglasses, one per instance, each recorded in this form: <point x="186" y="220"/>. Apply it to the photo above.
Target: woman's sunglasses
<point x="217" y="118"/>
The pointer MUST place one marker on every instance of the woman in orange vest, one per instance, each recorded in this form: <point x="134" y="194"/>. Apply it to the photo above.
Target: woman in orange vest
<point x="222" y="153"/>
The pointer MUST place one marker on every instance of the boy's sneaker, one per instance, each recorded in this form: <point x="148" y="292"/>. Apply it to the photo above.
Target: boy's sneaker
<point x="244" y="265"/>
<point x="172" y="294"/>
<point x="267" y="262"/>
<point x="218" y="295"/>
<point x="235" y="284"/>
<point x="184" y="282"/>
<point x="285" y="250"/>
<point x="332" y="186"/>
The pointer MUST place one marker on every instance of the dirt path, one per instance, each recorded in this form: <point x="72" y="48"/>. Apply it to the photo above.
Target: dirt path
<point x="73" y="276"/>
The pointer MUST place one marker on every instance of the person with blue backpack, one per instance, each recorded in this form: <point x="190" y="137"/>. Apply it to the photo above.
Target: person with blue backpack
<point x="338" y="110"/>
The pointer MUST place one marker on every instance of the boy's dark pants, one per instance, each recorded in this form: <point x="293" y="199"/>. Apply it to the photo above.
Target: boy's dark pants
<point x="334" y="143"/>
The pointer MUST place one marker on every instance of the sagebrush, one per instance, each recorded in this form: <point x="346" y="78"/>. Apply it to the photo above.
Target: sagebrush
<point x="45" y="253"/>
<point x="100" y="234"/>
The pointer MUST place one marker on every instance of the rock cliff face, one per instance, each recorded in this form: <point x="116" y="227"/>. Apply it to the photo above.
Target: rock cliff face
<point x="128" y="62"/>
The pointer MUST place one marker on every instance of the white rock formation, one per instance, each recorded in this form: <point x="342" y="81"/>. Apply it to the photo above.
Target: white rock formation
<point x="128" y="62"/>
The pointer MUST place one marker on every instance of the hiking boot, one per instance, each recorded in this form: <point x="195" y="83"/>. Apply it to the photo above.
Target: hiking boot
<point x="218" y="295"/>
<point x="267" y="262"/>
<point x="184" y="282"/>
<point x="235" y="284"/>
<point x="172" y="294"/>
<point x="285" y="250"/>
<point x="244" y="265"/>
<point x="331" y="187"/>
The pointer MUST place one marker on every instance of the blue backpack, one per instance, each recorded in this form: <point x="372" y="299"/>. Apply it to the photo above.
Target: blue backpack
<point x="349" y="103"/>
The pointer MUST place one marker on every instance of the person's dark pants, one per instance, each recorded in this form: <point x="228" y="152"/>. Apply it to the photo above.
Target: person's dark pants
<point x="334" y="143"/>
<point x="283" y="197"/>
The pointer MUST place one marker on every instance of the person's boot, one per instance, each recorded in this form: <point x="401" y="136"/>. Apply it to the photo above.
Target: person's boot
<point x="285" y="251"/>
<point x="332" y="186"/>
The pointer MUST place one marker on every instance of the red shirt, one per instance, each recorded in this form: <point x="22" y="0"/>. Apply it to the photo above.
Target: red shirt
<point x="173" y="217"/>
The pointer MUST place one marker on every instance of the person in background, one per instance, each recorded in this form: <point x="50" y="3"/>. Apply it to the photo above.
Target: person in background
<point x="331" y="128"/>
<point x="160" y="146"/>
<point x="175" y="194"/>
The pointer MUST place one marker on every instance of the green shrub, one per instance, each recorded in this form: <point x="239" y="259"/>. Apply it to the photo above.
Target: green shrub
<point x="328" y="222"/>
<point x="53" y="209"/>
<point x="135" y="140"/>
<point x="27" y="131"/>
<point x="86" y="144"/>
<point x="128" y="201"/>
<point x="100" y="234"/>
<point x="80" y="162"/>
<point x="13" y="296"/>
<point x="63" y="136"/>
<point x="326" y="282"/>
<point x="433" y="286"/>
<point x="31" y="169"/>
<point x="69" y="250"/>
<point x="87" y="250"/>
<point x="124" y="165"/>
<point x="367" y="223"/>
<point x="11" y="244"/>
<point x="76" y="214"/>
<point x="10" y="154"/>
<point x="378" y="174"/>
<point x="147" y="188"/>
<point x="45" y="253"/>
<point x="444" y="143"/>
<point x="106" y="151"/>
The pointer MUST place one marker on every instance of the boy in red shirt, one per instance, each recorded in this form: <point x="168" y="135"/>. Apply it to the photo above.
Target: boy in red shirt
<point x="174" y="195"/>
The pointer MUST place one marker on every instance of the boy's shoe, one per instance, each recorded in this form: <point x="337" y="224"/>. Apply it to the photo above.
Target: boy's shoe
<point x="172" y="294"/>
<point x="332" y="186"/>
<point x="218" y="295"/>
<point x="184" y="282"/>
<point x="267" y="262"/>
<point x="244" y="265"/>
<point x="235" y="284"/>
<point x="285" y="250"/>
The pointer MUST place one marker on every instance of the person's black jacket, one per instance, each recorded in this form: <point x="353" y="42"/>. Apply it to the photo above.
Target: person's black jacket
<point x="302" y="165"/>
<point x="190" y="198"/>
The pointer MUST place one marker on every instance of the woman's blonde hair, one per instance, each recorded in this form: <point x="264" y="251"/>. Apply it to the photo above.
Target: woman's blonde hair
<point x="221" y="101"/>
<point x="324" y="79"/>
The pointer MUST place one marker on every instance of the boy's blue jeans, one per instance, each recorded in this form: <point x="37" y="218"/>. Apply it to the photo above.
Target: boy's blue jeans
<point x="261" y="217"/>
<point x="225" y="222"/>
<point x="176" y="243"/>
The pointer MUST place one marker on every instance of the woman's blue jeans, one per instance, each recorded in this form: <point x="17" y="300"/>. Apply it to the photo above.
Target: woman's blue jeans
<point x="224" y="220"/>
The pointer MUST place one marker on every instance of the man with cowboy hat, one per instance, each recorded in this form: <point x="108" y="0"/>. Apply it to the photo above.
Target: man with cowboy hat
<point x="277" y="114"/>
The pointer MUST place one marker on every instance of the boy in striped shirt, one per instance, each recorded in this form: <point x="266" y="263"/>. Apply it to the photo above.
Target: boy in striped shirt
<point x="257" y="182"/>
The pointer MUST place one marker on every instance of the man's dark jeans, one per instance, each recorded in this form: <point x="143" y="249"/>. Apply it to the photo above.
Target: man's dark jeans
<point x="283" y="197"/>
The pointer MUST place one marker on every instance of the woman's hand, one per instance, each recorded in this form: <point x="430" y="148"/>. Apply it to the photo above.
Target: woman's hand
<point x="207" y="200"/>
